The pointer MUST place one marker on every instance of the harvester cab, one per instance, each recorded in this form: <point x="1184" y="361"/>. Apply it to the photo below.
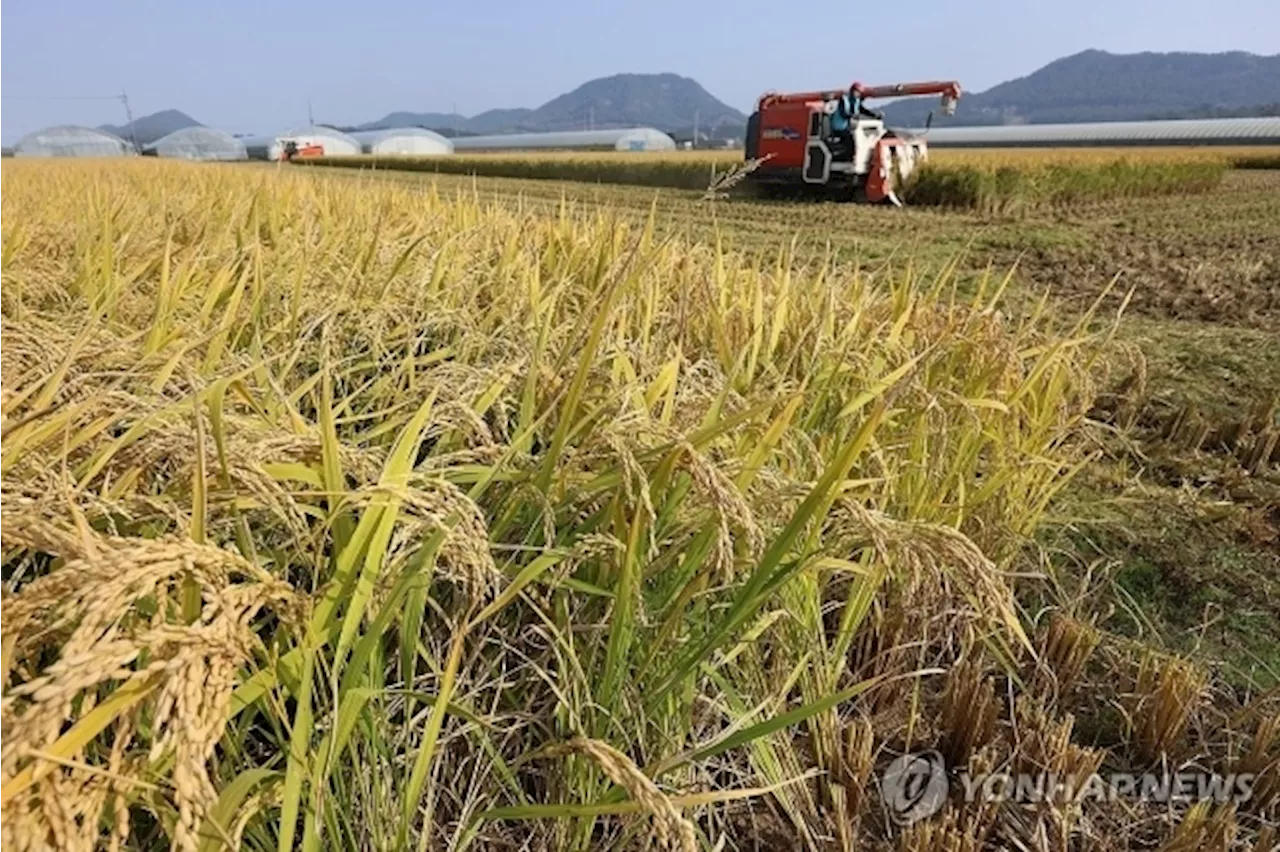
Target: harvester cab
<point x="830" y="141"/>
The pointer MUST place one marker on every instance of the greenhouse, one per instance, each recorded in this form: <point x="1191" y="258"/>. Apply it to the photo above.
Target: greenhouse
<point x="334" y="142"/>
<point x="402" y="140"/>
<point x="198" y="143"/>
<point x="623" y="139"/>
<point x="1198" y="131"/>
<point x="71" y="141"/>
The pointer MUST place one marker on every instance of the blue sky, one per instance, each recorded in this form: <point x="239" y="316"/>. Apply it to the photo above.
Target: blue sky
<point x="251" y="66"/>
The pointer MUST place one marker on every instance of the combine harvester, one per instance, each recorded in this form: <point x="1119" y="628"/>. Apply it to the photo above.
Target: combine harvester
<point x="293" y="149"/>
<point x="830" y="143"/>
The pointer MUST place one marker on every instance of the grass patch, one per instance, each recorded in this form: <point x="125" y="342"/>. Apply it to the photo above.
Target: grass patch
<point x="1223" y="372"/>
<point x="1179" y="566"/>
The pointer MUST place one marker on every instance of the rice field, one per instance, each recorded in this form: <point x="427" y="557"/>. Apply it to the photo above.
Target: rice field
<point x="1231" y="154"/>
<point x="993" y="181"/>
<point x="678" y="171"/>
<point x="1030" y="184"/>
<point x="372" y="514"/>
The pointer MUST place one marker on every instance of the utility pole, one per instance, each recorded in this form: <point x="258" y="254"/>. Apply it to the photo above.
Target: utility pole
<point x="311" y="119"/>
<point x="697" y="117"/>
<point x="128" y="114"/>
<point x="591" y="111"/>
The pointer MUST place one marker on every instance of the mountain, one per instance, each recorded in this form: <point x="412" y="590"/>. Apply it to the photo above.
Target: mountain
<point x="452" y="124"/>
<point x="1098" y="86"/>
<point x="665" y="101"/>
<point x="433" y="120"/>
<point x="498" y="120"/>
<point x="149" y="128"/>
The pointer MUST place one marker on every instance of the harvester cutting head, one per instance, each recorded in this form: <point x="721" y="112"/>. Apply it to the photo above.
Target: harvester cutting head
<point x="830" y="141"/>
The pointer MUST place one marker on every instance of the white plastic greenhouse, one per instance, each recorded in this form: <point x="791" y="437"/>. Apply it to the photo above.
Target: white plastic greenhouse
<point x="332" y="141"/>
<point x="71" y="141"/>
<point x="623" y="139"/>
<point x="402" y="140"/>
<point x="1206" y="131"/>
<point x="198" y="143"/>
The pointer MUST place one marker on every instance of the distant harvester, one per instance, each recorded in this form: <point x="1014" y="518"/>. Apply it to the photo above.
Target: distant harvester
<point x="333" y="142"/>
<point x="621" y="139"/>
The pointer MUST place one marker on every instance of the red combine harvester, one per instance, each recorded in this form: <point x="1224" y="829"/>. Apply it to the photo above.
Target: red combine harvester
<point x="292" y="149"/>
<point x="830" y="141"/>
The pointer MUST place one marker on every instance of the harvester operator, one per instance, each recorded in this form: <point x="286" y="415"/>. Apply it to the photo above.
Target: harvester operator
<point x="846" y="108"/>
<point x="841" y="120"/>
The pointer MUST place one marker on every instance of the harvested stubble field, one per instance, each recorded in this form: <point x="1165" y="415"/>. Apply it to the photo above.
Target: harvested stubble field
<point x="343" y="512"/>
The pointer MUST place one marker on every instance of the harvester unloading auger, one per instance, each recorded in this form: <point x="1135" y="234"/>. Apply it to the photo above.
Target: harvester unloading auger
<point x="830" y="141"/>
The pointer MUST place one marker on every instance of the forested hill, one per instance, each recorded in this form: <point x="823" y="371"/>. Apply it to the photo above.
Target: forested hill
<point x="1100" y="86"/>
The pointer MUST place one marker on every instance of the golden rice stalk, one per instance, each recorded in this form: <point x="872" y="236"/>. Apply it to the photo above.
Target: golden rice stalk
<point x="937" y="554"/>
<point x="115" y="613"/>
<point x="732" y="509"/>
<point x="721" y="184"/>
<point x="1126" y="400"/>
<point x="266" y="798"/>
<point x="430" y="505"/>
<point x="674" y="831"/>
